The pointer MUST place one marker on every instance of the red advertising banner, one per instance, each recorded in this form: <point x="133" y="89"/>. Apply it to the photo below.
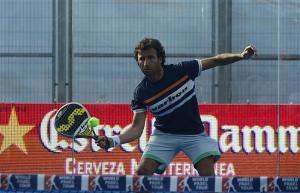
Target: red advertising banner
<point x="255" y="140"/>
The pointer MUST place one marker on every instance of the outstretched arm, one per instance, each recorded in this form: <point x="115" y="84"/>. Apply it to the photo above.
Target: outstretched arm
<point x="129" y="134"/>
<point x="227" y="58"/>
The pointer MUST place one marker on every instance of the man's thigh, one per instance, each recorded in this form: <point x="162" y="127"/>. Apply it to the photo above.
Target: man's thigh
<point x="159" y="152"/>
<point x="199" y="147"/>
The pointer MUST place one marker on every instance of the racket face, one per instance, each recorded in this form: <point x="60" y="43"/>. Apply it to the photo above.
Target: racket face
<point x="71" y="119"/>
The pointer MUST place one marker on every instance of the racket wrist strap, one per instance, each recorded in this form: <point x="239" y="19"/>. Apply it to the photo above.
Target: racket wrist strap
<point x="116" y="140"/>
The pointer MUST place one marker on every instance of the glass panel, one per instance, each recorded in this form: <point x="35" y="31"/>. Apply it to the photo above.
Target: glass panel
<point x="25" y="51"/>
<point x="107" y="26"/>
<point x="26" y="80"/>
<point x="26" y="26"/>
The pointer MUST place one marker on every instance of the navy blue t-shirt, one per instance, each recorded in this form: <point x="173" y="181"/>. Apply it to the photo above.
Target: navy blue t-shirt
<point x="172" y="100"/>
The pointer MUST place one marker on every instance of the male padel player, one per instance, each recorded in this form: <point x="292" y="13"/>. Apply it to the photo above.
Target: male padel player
<point x="168" y="92"/>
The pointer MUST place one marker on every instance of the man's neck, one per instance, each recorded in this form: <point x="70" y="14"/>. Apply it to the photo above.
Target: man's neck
<point x="157" y="76"/>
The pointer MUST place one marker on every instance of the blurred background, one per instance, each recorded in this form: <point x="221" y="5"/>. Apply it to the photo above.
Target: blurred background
<point x="57" y="51"/>
<point x="82" y="50"/>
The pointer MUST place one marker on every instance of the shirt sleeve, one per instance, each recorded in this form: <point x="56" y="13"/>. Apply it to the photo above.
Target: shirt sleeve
<point x="137" y="105"/>
<point x="193" y="68"/>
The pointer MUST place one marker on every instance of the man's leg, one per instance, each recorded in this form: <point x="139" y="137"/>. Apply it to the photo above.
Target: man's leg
<point x="205" y="167"/>
<point x="147" y="167"/>
<point x="159" y="152"/>
<point x="203" y="151"/>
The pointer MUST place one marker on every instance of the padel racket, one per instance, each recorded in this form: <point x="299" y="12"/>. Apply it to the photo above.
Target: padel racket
<point x="71" y="120"/>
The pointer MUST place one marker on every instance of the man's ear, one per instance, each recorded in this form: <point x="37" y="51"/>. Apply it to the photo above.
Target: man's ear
<point x="160" y="60"/>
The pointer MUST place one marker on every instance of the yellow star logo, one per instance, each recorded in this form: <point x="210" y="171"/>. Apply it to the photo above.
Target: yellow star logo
<point x="13" y="133"/>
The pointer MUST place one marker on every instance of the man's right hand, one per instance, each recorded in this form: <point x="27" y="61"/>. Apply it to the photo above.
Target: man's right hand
<point x="104" y="142"/>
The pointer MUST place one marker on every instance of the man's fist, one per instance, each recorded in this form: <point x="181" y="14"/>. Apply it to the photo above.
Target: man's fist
<point x="248" y="52"/>
<point x="104" y="142"/>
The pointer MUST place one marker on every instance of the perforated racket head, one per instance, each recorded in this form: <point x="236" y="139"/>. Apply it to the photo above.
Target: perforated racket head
<point x="71" y="120"/>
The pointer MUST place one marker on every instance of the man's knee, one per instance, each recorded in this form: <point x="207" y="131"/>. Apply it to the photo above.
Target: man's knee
<point x="205" y="167"/>
<point x="144" y="171"/>
<point x="206" y="172"/>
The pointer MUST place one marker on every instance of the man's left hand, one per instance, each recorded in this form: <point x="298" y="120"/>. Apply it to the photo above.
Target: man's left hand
<point x="248" y="52"/>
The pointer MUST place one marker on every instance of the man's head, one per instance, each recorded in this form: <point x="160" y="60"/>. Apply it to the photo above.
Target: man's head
<point x="150" y="56"/>
<point x="148" y="43"/>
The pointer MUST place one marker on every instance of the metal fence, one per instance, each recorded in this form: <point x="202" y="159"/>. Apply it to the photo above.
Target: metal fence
<point x="82" y="50"/>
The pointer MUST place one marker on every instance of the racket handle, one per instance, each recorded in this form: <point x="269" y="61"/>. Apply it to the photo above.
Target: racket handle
<point x="106" y="147"/>
<point x="96" y="137"/>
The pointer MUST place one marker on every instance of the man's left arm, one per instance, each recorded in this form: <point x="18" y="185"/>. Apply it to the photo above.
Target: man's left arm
<point x="227" y="58"/>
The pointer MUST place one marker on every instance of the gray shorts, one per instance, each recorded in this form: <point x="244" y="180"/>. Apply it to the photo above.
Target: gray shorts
<point x="163" y="147"/>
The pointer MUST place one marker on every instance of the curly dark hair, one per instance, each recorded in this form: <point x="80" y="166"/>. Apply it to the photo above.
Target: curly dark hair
<point x="147" y="43"/>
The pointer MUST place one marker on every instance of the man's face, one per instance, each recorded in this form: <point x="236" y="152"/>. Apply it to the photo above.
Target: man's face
<point x="148" y="61"/>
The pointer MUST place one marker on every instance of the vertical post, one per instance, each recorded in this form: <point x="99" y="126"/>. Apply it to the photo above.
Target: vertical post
<point x="54" y="83"/>
<point x="61" y="50"/>
<point x="223" y="43"/>
<point x="70" y="50"/>
<point x="214" y="44"/>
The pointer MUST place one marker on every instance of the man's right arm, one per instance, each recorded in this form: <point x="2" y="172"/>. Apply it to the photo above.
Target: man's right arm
<point x="134" y="131"/>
